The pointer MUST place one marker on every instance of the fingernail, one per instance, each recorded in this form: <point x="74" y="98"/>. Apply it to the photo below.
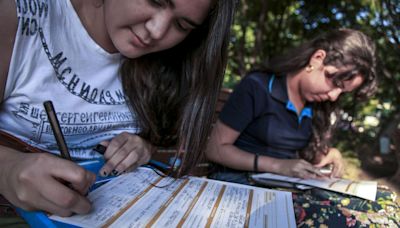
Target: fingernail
<point x="104" y="174"/>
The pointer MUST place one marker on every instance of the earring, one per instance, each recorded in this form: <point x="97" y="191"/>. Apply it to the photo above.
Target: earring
<point x="309" y="68"/>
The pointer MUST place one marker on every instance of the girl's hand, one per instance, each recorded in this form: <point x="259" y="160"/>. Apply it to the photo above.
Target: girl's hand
<point x="333" y="157"/>
<point x="39" y="182"/>
<point x="297" y="168"/>
<point x="125" y="152"/>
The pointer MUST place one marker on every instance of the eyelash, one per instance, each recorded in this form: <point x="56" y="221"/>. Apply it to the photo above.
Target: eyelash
<point x="339" y="84"/>
<point x="336" y="82"/>
<point x="180" y="27"/>
<point x="158" y="3"/>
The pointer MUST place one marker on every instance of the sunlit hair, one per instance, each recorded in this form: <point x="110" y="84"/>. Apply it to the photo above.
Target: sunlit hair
<point x="345" y="48"/>
<point x="173" y="93"/>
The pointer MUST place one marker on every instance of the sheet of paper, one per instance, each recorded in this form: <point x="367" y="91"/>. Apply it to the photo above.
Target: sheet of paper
<point x="144" y="199"/>
<point x="362" y="189"/>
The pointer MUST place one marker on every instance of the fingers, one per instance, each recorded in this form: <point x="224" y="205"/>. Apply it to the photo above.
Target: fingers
<point x="307" y="171"/>
<point x="79" y="178"/>
<point x="83" y="184"/>
<point x="123" y="160"/>
<point x="333" y="157"/>
<point x="68" y="195"/>
<point x="131" y="161"/>
<point x="311" y="174"/>
<point x="315" y="172"/>
<point x="302" y="169"/>
<point x="338" y="169"/>
<point x="125" y="152"/>
<point x="322" y="163"/>
<point x="64" y="201"/>
<point x="50" y="192"/>
<point x="116" y="151"/>
<point x="48" y="206"/>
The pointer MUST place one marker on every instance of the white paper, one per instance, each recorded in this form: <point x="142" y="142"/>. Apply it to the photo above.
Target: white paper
<point x="363" y="189"/>
<point x="144" y="199"/>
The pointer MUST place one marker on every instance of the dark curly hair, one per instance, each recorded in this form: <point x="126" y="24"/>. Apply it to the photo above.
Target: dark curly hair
<point x="343" y="47"/>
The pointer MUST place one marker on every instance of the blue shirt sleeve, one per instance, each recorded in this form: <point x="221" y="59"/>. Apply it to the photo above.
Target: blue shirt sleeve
<point x="246" y="102"/>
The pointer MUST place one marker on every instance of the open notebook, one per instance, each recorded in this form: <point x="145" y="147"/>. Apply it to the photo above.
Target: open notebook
<point x="362" y="189"/>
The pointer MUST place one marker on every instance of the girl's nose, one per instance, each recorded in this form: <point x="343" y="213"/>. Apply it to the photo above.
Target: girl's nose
<point x="334" y="94"/>
<point x="159" y="24"/>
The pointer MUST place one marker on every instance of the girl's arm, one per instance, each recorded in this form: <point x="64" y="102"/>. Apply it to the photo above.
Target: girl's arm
<point x="8" y="28"/>
<point x="220" y="149"/>
<point x="36" y="181"/>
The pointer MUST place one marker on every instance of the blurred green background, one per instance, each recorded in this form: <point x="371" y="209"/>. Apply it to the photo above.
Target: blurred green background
<point x="265" y="28"/>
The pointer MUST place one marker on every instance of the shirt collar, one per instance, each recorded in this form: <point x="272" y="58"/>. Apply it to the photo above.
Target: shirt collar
<point x="278" y="90"/>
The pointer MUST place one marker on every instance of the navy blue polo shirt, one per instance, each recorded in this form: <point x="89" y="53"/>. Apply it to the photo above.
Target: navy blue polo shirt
<point x="259" y="108"/>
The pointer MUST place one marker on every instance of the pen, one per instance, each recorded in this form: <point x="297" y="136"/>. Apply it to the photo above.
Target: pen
<point x="100" y="149"/>
<point x="326" y="169"/>
<point x="55" y="126"/>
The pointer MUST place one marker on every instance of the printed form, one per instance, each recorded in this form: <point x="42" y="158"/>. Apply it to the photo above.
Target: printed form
<point x="144" y="199"/>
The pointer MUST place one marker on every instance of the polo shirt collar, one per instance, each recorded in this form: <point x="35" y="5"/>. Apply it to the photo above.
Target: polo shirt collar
<point x="278" y="90"/>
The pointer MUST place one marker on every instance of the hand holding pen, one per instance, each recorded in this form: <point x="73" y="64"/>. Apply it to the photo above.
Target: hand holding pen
<point x="125" y="152"/>
<point x="77" y="178"/>
<point x="36" y="181"/>
<point x="332" y="163"/>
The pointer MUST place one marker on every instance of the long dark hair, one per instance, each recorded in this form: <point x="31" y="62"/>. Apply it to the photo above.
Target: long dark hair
<point x="173" y="93"/>
<point x="343" y="47"/>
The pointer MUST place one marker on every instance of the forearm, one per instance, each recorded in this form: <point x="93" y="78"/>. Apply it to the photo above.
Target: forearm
<point x="235" y="158"/>
<point x="269" y="164"/>
<point x="221" y="150"/>
<point x="230" y="156"/>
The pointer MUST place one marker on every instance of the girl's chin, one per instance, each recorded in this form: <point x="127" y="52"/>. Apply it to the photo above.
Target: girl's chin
<point x="130" y="51"/>
<point x="313" y="99"/>
<point x="132" y="54"/>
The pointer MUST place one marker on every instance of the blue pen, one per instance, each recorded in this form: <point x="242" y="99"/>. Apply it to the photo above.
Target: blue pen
<point x="159" y="165"/>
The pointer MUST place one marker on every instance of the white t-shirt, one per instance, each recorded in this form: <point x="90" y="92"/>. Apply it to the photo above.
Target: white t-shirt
<point x="54" y="58"/>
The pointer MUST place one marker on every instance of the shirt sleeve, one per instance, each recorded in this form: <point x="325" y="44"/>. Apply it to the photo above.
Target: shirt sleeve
<point x="245" y="103"/>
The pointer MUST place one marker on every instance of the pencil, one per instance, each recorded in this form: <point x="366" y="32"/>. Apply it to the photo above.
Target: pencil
<point x="55" y="126"/>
